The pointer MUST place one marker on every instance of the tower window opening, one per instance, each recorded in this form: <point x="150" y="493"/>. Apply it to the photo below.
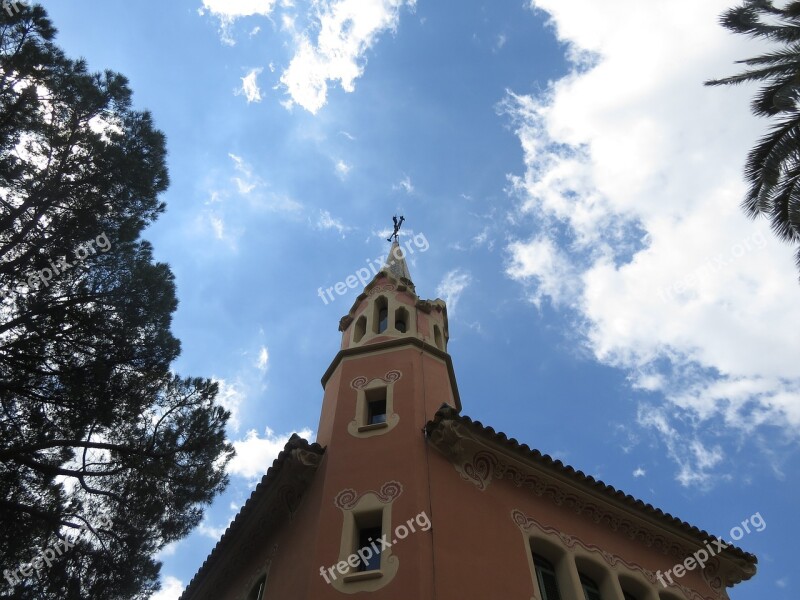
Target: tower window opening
<point x="381" y="321"/>
<point x="369" y="529"/>
<point x="360" y="329"/>
<point x="376" y="406"/>
<point x="401" y="320"/>
<point x="437" y="337"/>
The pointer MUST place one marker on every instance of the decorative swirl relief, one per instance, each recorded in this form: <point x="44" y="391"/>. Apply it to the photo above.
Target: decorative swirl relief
<point x="527" y="523"/>
<point x="481" y="467"/>
<point x="359" y="382"/>
<point x="378" y="289"/>
<point x="348" y="498"/>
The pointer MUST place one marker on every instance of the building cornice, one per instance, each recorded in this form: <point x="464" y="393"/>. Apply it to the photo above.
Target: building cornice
<point x="482" y="455"/>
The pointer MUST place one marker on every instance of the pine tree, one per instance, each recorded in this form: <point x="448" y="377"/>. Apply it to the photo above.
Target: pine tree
<point x="105" y="454"/>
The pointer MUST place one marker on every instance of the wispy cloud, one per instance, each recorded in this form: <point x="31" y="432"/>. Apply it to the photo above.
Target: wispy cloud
<point x="228" y="11"/>
<point x="452" y="286"/>
<point x="250" y="88"/>
<point x="343" y="169"/>
<point x="404" y="184"/>
<point x="171" y="589"/>
<point x="345" y="31"/>
<point x="327" y="221"/>
<point x="262" y="363"/>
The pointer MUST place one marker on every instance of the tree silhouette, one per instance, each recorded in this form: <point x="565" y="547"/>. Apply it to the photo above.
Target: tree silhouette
<point x="773" y="164"/>
<point x="104" y="453"/>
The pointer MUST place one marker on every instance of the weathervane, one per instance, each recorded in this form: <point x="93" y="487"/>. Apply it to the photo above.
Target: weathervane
<point x="398" y="223"/>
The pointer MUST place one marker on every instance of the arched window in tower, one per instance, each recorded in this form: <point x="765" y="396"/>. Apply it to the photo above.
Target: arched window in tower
<point x="257" y="591"/>
<point x="437" y="337"/>
<point x="590" y="589"/>
<point x="401" y="320"/>
<point x="381" y="316"/>
<point x="360" y="328"/>
<point x="546" y="577"/>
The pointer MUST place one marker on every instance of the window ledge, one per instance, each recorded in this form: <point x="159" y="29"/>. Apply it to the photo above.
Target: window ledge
<point x="372" y="427"/>
<point x="362" y="576"/>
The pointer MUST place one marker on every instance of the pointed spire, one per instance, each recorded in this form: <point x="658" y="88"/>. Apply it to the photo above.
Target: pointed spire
<point x="396" y="263"/>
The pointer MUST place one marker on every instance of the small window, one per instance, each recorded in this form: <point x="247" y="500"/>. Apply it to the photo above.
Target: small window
<point x="381" y="315"/>
<point x="369" y="529"/>
<point x="376" y="406"/>
<point x="257" y="591"/>
<point x="366" y="538"/>
<point x="376" y="412"/>
<point x="546" y="577"/>
<point x="361" y="329"/>
<point x="401" y="320"/>
<point x="437" y="337"/>
<point x="590" y="590"/>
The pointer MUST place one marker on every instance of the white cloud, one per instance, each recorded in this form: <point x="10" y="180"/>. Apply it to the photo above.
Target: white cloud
<point x="404" y="184"/>
<point x="327" y="221"/>
<point x="540" y="263"/>
<point x="230" y="397"/>
<point x="171" y="589"/>
<point x="452" y="286"/>
<point x="636" y="199"/>
<point x="250" y="88"/>
<point x="210" y="531"/>
<point x="639" y="472"/>
<point x="228" y="11"/>
<point x="347" y="29"/>
<point x="343" y="169"/>
<point x="254" y="454"/>
<point x="263" y="359"/>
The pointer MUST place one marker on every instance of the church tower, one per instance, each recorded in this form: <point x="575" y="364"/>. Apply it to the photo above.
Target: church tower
<point x="388" y="380"/>
<point x="402" y="497"/>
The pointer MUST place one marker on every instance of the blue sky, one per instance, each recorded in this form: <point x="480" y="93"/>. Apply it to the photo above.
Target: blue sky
<point x="578" y="189"/>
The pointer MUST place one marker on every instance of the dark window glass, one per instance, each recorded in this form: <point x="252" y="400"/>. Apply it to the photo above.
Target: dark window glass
<point x="546" y="576"/>
<point x="368" y="537"/>
<point x="376" y="411"/>
<point x="590" y="590"/>
<point x="383" y="319"/>
<point x="400" y="326"/>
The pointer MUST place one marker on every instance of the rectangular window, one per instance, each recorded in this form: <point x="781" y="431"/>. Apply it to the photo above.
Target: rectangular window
<point x="375" y="409"/>
<point x="368" y="538"/>
<point x="376" y="412"/>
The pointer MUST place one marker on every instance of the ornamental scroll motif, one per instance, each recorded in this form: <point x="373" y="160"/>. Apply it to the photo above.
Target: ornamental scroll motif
<point x="527" y="524"/>
<point x="379" y="289"/>
<point x="481" y="467"/>
<point x="359" y="382"/>
<point x="348" y="498"/>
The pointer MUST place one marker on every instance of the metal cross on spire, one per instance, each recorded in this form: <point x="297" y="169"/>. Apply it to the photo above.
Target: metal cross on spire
<point x="398" y="223"/>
